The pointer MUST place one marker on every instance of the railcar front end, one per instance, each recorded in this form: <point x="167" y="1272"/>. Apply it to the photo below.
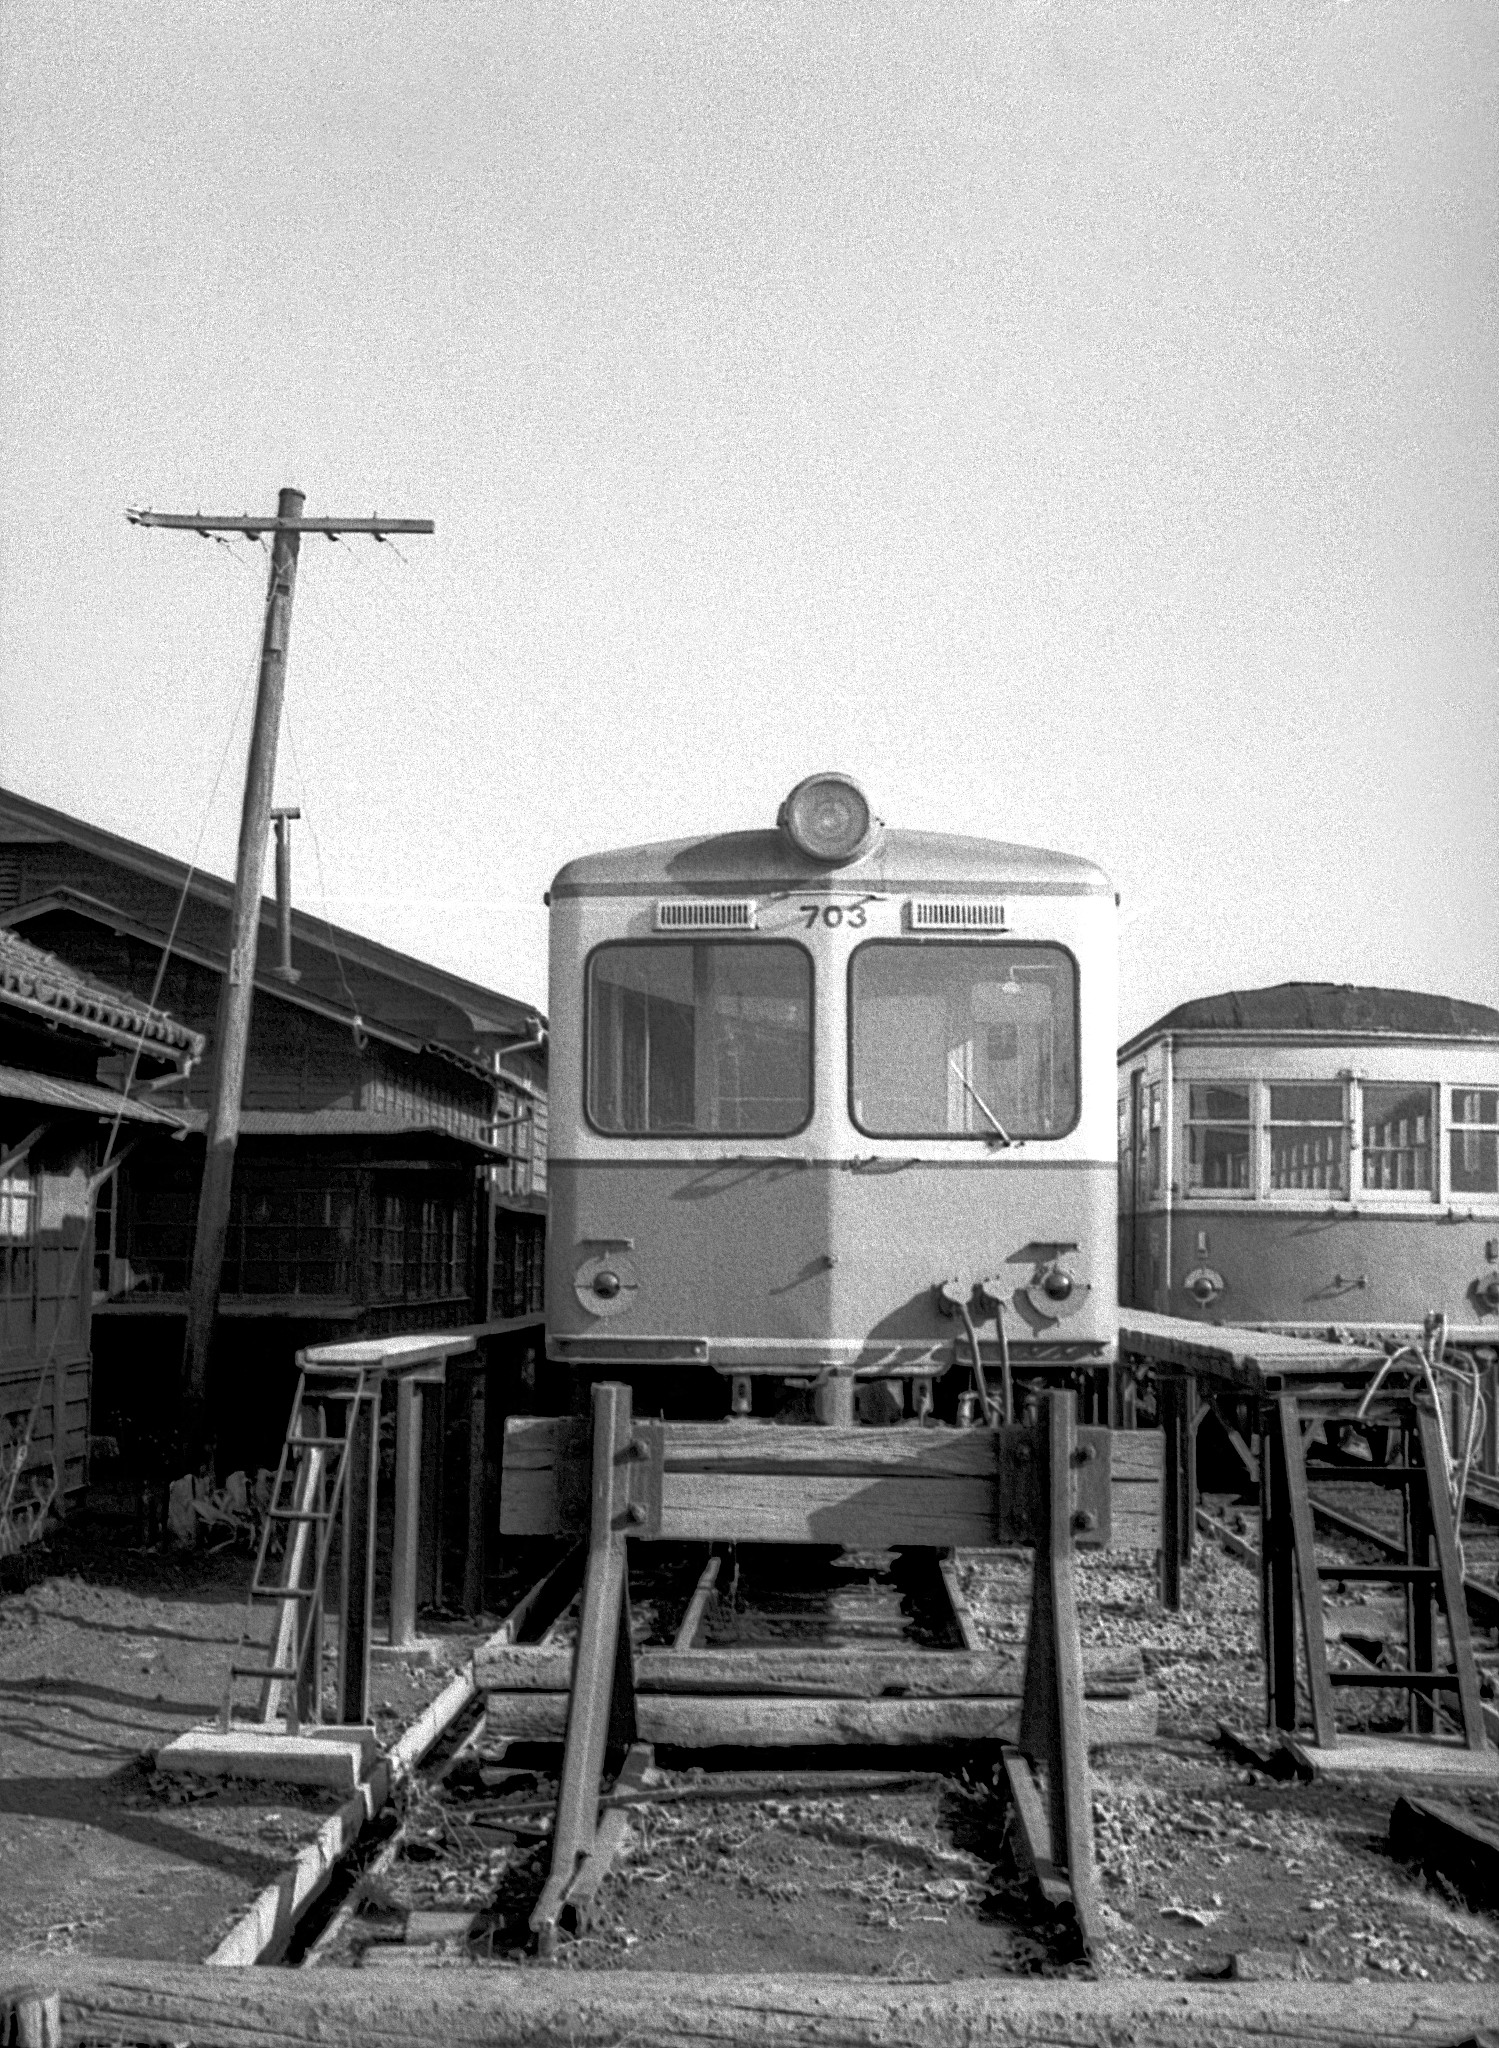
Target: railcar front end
<point x="830" y="1104"/>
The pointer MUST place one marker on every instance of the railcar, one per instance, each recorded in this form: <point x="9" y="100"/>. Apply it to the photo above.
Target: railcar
<point x="1318" y="1159"/>
<point x="1312" y="1154"/>
<point x="830" y="1116"/>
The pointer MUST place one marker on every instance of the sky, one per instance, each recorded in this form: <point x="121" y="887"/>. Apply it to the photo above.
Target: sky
<point x="1078" y="422"/>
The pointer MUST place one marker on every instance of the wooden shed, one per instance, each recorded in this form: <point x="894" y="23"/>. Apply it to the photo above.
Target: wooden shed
<point x="391" y="1171"/>
<point x="63" y="1137"/>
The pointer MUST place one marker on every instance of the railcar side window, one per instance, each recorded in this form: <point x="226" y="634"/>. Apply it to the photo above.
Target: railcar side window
<point x="952" y="1041"/>
<point x="1397" y="1136"/>
<point x="1475" y="1141"/>
<point x="1218" y="1135"/>
<point x="698" y="1037"/>
<point x="1307" y="1140"/>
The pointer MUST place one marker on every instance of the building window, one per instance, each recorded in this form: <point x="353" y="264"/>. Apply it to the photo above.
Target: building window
<point x="1308" y="1141"/>
<point x="1475" y="1141"/>
<point x="1155" y="1137"/>
<point x="1218" y="1136"/>
<point x="1397" y="1137"/>
<point x="420" y="1249"/>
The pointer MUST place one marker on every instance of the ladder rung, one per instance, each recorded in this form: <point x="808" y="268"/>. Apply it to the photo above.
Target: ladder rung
<point x="300" y="1515"/>
<point x="1436" y="1681"/>
<point x="283" y="1593"/>
<point x="263" y="1671"/>
<point x="1395" y="1574"/>
<point x="300" y="1443"/>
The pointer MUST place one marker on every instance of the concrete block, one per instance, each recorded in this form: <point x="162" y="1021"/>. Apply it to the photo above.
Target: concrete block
<point x="336" y="1757"/>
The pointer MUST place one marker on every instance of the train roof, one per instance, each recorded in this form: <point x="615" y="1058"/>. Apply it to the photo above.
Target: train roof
<point x="749" y="861"/>
<point x="1332" y="1009"/>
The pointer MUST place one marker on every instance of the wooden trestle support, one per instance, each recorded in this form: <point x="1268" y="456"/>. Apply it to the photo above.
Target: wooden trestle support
<point x="1046" y="1485"/>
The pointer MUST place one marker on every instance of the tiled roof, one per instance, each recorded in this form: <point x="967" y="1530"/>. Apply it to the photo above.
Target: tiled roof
<point x="35" y="977"/>
<point x="1332" y="1007"/>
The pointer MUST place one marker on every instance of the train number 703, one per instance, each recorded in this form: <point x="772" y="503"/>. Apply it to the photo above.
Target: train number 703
<point x="832" y="914"/>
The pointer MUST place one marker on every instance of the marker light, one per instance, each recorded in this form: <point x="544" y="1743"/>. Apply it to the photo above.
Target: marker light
<point x="828" y="818"/>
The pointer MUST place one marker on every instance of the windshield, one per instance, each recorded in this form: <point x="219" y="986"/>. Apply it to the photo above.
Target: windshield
<point x="963" y="1041"/>
<point x="700" y="1036"/>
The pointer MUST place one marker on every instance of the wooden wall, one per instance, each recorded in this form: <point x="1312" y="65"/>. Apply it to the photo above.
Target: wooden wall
<point x="46" y="1290"/>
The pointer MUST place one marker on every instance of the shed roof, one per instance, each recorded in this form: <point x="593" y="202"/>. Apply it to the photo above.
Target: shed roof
<point x="486" y="1009"/>
<point x="340" y="1123"/>
<point x="1336" y="1009"/>
<point x="34" y="979"/>
<point x="54" y="1091"/>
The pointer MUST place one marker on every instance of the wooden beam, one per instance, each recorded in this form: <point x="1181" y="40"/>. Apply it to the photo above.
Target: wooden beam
<point x="249" y="2008"/>
<point x="697" y="1606"/>
<point x="1444" y="1838"/>
<point x="859" y="1488"/>
<point x="600" y="1629"/>
<point x="741" y="1721"/>
<point x="829" y="1674"/>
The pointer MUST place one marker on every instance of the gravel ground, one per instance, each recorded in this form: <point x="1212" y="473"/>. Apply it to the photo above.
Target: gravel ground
<point x="104" y="1653"/>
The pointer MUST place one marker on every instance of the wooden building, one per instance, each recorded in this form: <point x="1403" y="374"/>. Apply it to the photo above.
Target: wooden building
<point x="64" y="1135"/>
<point x="390" y="1174"/>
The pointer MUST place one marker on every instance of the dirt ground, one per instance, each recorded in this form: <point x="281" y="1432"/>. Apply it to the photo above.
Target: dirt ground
<point x="105" y="1652"/>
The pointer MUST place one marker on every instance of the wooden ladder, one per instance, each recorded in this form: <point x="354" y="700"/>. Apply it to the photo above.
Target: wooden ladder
<point x="1430" y="1571"/>
<point x="1045" y="1484"/>
<point x="314" y="1478"/>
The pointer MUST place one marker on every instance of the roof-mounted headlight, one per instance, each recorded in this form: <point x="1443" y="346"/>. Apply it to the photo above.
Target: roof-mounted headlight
<point x="828" y="818"/>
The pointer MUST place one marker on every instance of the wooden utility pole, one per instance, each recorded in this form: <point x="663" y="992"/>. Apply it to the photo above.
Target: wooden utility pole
<point x="232" y="1037"/>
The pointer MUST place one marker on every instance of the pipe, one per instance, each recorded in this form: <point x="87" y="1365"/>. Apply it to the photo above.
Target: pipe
<point x="282" y="819"/>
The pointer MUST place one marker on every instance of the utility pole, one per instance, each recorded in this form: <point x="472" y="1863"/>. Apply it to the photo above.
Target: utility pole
<point x="232" y="1037"/>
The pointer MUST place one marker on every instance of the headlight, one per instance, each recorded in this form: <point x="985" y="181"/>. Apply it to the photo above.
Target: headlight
<point x="828" y="818"/>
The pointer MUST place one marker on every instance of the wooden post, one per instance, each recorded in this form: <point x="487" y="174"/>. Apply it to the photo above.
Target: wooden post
<point x="406" y="1524"/>
<point x="1190" y="1419"/>
<point x="473" y="1534"/>
<point x="1308" y="1583"/>
<point x="593" y="1706"/>
<point x="429" y="1539"/>
<point x="1277" y="1576"/>
<point x="232" y="1032"/>
<point x="1169" y="1398"/>
<point x="357" y="1594"/>
<point x="1052" y="1727"/>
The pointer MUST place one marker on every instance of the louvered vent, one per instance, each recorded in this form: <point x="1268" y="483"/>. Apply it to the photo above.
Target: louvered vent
<point x="954" y="914"/>
<point x="690" y="914"/>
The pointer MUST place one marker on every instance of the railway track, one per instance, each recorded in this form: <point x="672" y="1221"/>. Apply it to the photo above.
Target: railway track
<point x="459" y="1870"/>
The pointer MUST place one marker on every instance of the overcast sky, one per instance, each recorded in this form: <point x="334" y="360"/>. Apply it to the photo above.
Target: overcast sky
<point x="1077" y="421"/>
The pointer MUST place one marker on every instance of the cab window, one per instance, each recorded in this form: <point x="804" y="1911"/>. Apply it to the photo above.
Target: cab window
<point x="700" y="1037"/>
<point x="963" y="1041"/>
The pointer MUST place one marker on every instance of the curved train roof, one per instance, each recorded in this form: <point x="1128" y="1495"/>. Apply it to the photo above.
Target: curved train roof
<point x="1335" y="1008"/>
<point x="747" y="861"/>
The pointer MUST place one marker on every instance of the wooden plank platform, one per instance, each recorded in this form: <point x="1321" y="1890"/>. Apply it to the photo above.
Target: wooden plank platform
<point x="1412" y="1757"/>
<point x="1261" y="1361"/>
